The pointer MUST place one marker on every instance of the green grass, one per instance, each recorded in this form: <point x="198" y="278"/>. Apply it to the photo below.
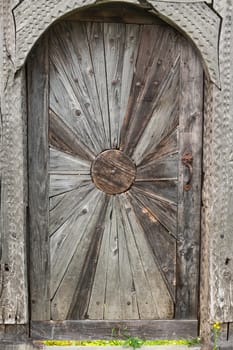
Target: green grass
<point x="133" y="342"/>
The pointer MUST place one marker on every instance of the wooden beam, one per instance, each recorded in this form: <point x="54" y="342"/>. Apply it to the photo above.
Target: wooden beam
<point x="87" y="329"/>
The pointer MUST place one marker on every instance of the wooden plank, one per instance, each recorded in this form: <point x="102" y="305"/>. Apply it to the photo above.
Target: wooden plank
<point x="88" y="329"/>
<point x="114" y="42"/>
<point x="144" y="264"/>
<point x="149" y="80"/>
<point x="69" y="235"/>
<point x="38" y="181"/>
<point x="163" y="211"/>
<point x="65" y="139"/>
<point x="14" y="333"/>
<point x="61" y="162"/>
<point x="165" y="189"/>
<point x="129" y="306"/>
<point x="70" y="58"/>
<point x="81" y="298"/>
<point x="96" y="306"/>
<point x="169" y="145"/>
<point x="112" y="305"/>
<point x="165" y="115"/>
<point x="165" y="167"/>
<point x="69" y="268"/>
<point x="191" y="115"/>
<point x="62" y="183"/>
<point x="160" y="242"/>
<point x="67" y="206"/>
<point x="95" y="35"/>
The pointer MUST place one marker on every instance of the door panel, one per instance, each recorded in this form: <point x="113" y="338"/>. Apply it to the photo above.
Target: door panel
<point x="124" y="105"/>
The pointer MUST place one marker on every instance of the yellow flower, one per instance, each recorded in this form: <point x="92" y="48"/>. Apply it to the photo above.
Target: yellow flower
<point x="217" y="325"/>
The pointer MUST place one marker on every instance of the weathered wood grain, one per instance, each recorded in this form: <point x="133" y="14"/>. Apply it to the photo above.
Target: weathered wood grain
<point x="149" y="79"/>
<point x="62" y="183"/>
<point x="64" y="138"/>
<point x="113" y="172"/>
<point x="167" y="146"/>
<point x="166" y="190"/>
<point x="153" y="302"/>
<point x="69" y="236"/>
<point x="165" y="115"/>
<point x="68" y="268"/>
<point x="164" y="211"/>
<point x="163" y="168"/>
<point x="88" y="329"/>
<point x="188" y="244"/>
<point x="114" y="42"/>
<point x="79" y="305"/>
<point x="38" y="181"/>
<point x="61" y="162"/>
<point x="160" y="241"/>
<point x="96" y="307"/>
<point x="112" y="303"/>
<point x="66" y="207"/>
<point x="95" y="35"/>
<point x="72" y="78"/>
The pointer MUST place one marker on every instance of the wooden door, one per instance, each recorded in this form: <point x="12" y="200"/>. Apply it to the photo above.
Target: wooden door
<point x="115" y="134"/>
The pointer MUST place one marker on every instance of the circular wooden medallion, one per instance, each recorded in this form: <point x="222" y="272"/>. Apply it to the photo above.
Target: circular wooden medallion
<point x="113" y="172"/>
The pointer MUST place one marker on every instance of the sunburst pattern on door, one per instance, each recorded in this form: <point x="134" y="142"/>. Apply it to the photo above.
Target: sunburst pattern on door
<point x="113" y="131"/>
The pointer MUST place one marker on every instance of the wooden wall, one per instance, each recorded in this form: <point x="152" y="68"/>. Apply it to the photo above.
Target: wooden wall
<point x="21" y="23"/>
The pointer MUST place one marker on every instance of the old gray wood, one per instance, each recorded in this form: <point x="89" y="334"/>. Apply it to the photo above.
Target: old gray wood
<point x="38" y="181"/>
<point x="87" y="329"/>
<point x="189" y="207"/>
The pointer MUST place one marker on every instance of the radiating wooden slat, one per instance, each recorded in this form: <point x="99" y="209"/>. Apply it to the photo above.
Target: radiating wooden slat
<point x="156" y="300"/>
<point x="87" y="79"/>
<point x="113" y="268"/>
<point x="65" y="139"/>
<point x="95" y="35"/>
<point x="69" y="249"/>
<point x="61" y="162"/>
<point x="81" y="298"/>
<point x="61" y="183"/>
<point x="38" y="181"/>
<point x="54" y="201"/>
<point x="67" y="238"/>
<point x="65" y="104"/>
<point x="165" y="167"/>
<point x="112" y="304"/>
<point x="153" y="64"/>
<point x="161" y="242"/>
<point x="67" y="206"/>
<point x="96" y="307"/>
<point x="132" y="33"/>
<point x="71" y="60"/>
<point x="129" y="306"/>
<point x="167" y="189"/>
<point x="114" y="41"/>
<point x="121" y="47"/>
<point x="165" y="116"/>
<point x="164" y="211"/>
<point x="168" y="145"/>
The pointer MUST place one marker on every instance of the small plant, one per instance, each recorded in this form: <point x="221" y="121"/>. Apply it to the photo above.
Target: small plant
<point x="133" y="342"/>
<point x="216" y="331"/>
<point x="128" y="340"/>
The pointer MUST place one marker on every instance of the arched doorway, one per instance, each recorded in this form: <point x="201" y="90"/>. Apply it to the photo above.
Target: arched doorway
<point x="115" y="143"/>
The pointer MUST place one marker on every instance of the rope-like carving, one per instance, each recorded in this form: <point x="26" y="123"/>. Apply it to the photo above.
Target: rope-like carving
<point x="195" y="19"/>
